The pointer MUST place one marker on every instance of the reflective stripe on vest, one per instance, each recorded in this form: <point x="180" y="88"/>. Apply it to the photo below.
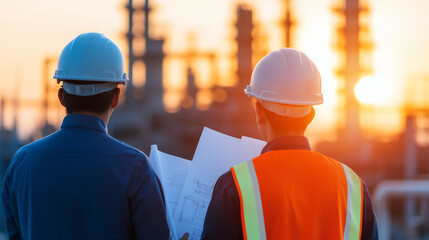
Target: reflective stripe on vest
<point x="251" y="207"/>
<point x="353" y="226"/>
<point x="252" y="217"/>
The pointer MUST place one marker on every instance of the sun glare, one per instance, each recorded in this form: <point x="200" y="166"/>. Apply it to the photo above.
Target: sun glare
<point x="369" y="90"/>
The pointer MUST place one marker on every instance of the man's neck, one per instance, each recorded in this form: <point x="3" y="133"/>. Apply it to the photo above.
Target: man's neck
<point x="273" y="135"/>
<point x="105" y="116"/>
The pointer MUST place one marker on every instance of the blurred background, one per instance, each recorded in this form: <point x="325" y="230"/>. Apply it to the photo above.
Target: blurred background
<point x="189" y="61"/>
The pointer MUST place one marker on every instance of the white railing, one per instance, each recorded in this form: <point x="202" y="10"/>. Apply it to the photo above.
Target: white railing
<point x="401" y="188"/>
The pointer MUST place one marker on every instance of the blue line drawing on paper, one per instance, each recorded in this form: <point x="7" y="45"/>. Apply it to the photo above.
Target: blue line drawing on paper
<point x="176" y="180"/>
<point x="202" y="189"/>
<point x="174" y="183"/>
<point x="196" y="234"/>
<point x="193" y="210"/>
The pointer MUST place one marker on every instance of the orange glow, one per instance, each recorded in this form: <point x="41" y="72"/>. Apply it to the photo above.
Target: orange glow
<point x="398" y="48"/>
<point x="170" y="101"/>
<point x="219" y="95"/>
<point x="372" y="90"/>
<point x="380" y="116"/>
<point x="187" y="102"/>
<point x="383" y="123"/>
<point x="204" y="99"/>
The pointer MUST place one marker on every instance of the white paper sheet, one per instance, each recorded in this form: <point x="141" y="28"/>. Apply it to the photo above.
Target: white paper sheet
<point x="259" y="144"/>
<point x="215" y="154"/>
<point x="171" y="171"/>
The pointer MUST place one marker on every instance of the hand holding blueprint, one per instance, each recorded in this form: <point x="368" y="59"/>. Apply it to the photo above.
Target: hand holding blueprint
<point x="188" y="185"/>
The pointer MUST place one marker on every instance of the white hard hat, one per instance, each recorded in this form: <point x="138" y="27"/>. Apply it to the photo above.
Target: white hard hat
<point x="286" y="82"/>
<point x="91" y="57"/>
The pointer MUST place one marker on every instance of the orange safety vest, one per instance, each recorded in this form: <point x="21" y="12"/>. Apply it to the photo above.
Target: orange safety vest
<point x="298" y="194"/>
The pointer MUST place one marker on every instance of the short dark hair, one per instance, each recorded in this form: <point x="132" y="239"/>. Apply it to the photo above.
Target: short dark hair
<point x="97" y="104"/>
<point x="283" y="123"/>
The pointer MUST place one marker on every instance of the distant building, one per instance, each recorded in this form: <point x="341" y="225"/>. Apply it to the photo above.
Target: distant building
<point x="144" y="122"/>
<point x="9" y="141"/>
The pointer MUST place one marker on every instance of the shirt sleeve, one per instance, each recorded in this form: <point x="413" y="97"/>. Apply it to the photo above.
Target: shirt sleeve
<point x="369" y="222"/>
<point x="146" y="204"/>
<point x="223" y="219"/>
<point x="10" y="220"/>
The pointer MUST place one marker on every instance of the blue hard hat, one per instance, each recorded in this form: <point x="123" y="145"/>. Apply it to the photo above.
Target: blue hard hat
<point x="91" y="57"/>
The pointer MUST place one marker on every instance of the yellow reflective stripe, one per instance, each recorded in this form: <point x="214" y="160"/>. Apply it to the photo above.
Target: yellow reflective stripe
<point x="354" y="204"/>
<point x="258" y="201"/>
<point x="251" y="200"/>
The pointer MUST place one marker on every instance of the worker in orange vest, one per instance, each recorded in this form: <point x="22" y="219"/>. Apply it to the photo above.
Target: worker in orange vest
<point x="289" y="191"/>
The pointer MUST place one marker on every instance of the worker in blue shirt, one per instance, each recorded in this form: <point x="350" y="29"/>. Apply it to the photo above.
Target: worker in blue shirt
<point x="79" y="182"/>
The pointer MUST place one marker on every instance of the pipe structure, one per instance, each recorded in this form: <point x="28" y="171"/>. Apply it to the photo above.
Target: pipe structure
<point x="130" y="36"/>
<point x="398" y="188"/>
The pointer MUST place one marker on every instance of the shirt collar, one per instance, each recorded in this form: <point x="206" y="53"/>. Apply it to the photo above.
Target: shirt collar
<point x="287" y="143"/>
<point x="84" y="121"/>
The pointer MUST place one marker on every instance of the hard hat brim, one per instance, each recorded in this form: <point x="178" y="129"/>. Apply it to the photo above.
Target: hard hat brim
<point x="71" y="78"/>
<point x="249" y="93"/>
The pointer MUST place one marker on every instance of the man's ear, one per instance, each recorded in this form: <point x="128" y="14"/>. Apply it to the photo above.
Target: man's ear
<point x="310" y="116"/>
<point x="115" y="100"/>
<point x="260" y="114"/>
<point x="61" y="96"/>
<point x="262" y="121"/>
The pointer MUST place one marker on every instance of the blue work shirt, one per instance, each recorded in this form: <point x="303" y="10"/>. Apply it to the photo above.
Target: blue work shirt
<point x="80" y="183"/>
<point x="223" y="218"/>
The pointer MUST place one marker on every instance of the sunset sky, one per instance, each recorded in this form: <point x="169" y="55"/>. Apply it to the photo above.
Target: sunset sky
<point x="32" y="30"/>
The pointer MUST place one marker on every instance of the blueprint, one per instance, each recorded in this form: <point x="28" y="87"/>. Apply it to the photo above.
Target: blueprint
<point x="188" y="185"/>
<point x="171" y="171"/>
<point x="215" y="154"/>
